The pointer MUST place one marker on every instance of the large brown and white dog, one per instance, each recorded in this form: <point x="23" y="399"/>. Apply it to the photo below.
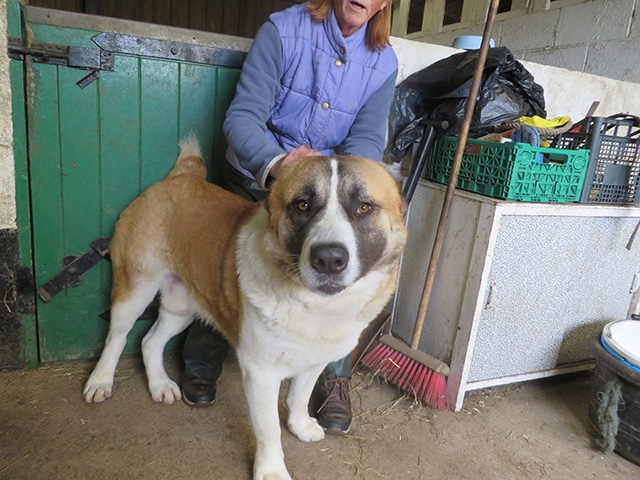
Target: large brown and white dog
<point x="290" y="282"/>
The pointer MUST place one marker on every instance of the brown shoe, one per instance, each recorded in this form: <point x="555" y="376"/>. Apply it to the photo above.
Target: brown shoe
<point x="330" y="403"/>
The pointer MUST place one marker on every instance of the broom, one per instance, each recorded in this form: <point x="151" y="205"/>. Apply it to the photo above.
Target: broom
<point x="404" y="365"/>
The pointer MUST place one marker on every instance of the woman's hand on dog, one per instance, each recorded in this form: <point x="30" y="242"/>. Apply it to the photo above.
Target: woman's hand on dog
<point x="293" y="156"/>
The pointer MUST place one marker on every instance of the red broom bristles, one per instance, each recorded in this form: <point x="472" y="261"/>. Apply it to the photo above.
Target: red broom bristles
<point x="408" y="375"/>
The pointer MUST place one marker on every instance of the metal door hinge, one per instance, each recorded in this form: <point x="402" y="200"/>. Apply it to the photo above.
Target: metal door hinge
<point x="171" y="50"/>
<point x="94" y="59"/>
<point x="75" y="267"/>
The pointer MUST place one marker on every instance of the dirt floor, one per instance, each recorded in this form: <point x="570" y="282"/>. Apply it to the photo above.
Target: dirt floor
<point x="528" y="431"/>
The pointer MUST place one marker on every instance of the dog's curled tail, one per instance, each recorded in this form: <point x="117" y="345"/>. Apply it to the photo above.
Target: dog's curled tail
<point x="190" y="160"/>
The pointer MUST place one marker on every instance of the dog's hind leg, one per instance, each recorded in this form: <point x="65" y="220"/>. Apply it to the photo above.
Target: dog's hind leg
<point x="124" y="313"/>
<point x="299" y="422"/>
<point x="175" y="315"/>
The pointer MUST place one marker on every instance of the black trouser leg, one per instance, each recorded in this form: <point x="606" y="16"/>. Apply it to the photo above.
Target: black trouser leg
<point x="204" y="352"/>
<point x="340" y="368"/>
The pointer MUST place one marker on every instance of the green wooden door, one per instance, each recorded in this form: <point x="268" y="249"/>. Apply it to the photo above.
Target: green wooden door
<point x="91" y="151"/>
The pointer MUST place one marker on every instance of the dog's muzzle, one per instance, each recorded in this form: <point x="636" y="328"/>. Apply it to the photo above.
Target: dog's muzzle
<point x="329" y="261"/>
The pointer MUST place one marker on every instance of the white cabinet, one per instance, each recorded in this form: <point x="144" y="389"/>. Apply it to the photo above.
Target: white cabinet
<point x="520" y="286"/>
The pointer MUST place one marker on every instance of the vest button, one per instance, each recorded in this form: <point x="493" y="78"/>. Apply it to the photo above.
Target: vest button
<point x="325" y="106"/>
<point x="338" y="63"/>
<point x="342" y="50"/>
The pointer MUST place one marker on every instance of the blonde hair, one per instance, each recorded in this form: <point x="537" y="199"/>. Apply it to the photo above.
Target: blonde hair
<point x="378" y="27"/>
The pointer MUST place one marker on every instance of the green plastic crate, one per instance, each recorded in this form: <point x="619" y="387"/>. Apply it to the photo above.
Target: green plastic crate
<point x="512" y="171"/>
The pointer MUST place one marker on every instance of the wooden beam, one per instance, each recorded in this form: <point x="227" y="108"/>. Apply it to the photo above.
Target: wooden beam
<point x="91" y="6"/>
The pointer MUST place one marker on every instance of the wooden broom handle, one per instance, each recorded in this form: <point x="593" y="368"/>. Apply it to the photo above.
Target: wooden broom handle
<point x="453" y="177"/>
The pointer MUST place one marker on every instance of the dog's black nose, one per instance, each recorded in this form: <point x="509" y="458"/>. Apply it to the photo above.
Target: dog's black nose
<point x="329" y="258"/>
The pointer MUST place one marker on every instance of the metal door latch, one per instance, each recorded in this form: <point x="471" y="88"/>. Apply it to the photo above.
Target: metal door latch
<point x="93" y="59"/>
<point x="75" y="267"/>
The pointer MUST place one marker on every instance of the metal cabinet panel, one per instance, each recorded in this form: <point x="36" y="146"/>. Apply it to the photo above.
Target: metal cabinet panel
<point x="519" y="288"/>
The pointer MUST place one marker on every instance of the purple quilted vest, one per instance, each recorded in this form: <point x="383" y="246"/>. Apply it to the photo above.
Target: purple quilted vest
<point x="326" y="76"/>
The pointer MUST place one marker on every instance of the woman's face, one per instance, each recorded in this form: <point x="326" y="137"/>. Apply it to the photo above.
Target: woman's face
<point x="352" y="14"/>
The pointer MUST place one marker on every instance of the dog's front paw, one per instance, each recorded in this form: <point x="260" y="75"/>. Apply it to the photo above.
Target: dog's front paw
<point x="306" y="429"/>
<point x="164" y="391"/>
<point x="270" y="472"/>
<point x="98" y="387"/>
<point x="274" y="476"/>
<point x="97" y="392"/>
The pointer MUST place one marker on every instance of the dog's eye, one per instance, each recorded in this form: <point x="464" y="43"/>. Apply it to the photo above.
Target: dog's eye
<point x="302" y="205"/>
<point x="364" y="208"/>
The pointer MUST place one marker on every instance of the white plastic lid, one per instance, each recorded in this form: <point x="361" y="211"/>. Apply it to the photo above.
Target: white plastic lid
<point x="623" y="337"/>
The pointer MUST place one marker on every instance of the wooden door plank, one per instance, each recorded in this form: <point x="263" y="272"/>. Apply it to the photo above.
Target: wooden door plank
<point x="197" y="106"/>
<point x="226" y="80"/>
<point x="144" y="11"/>
<point x="180" y="14"/>
<point x="82" y="333"/>
<point x="46" y="180"/>
<point x="80" y="163"/>
<point x="263" y="10"/>
<point x="198" y="14"/>
<point x="231" y="18"/>
<point x="79" y="159"/>
<point x="125" y="10"/>
<point x="119" y="146"/>
<point x="107" y="8"/>
<point x="214" y="20"/>
<point x="119" y="139"/>
<point x="57" y="36"/>
<point x="79" y="170"/>
<point x="162" y="12"/>
<point x="247" y="18"/>
<point x="159" y="118"/>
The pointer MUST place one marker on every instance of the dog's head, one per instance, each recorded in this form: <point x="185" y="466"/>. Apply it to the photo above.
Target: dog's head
<point x="334" y="220"/>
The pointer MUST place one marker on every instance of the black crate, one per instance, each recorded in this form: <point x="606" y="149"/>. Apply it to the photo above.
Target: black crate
<point x="613" y="172"/>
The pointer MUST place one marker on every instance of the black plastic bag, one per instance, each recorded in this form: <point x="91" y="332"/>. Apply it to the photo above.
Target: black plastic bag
<point x="440" y="92"/>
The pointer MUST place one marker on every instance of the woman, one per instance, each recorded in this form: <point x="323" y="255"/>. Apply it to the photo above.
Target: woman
<point x="318" y="80"/>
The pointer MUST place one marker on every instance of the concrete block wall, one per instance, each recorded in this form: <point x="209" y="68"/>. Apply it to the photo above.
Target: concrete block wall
<point x="601" y="37"/>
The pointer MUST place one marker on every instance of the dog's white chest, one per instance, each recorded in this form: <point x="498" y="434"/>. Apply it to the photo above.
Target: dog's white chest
<point x="293" y="336"/>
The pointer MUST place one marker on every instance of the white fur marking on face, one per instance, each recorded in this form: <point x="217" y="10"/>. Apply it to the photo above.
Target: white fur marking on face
<point x="333" y="227"/>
